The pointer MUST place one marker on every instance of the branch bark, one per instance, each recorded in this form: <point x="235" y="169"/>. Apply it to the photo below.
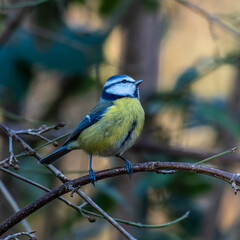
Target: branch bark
<point x="157" y="167"/>
<point x="209" y="17"/>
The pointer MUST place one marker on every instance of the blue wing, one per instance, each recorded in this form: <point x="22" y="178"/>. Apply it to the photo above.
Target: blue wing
<point x="94" y="116"/>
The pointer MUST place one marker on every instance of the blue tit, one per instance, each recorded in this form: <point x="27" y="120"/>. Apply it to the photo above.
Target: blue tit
<point x="111" y="127"/>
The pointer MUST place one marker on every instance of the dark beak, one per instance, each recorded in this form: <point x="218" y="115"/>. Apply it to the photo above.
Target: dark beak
<point x="138" y="82"/>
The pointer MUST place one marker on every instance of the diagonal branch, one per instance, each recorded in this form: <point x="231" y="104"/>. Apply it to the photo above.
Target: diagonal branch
<point x="157" y="167"/>
<point x="179" y="152"/>
<point x="13" y="134"/>
<point x="14" y="205"/>
<point x="84" y="212"/>
<point x="14" y="236"/>
<point x="105" y="215"/>
<point x="210" y="17"/>
<point x="12" y="25"/>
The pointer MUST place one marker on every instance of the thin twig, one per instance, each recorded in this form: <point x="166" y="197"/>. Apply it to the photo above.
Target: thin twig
<point x="217" y="155"/>
<point x="140" y="225"/>
<point x="22" y="4"/>
<point x="84" y="211"/>
<point x="14" y="205"/>
<point x="14" y="236"/>
<point x="19" y="118"/>
<point x="37" y="132"/>
<point x="105" y="215"/>
<point x="60" y="38"/>
<point x="68" y="183"/>
<point x="12" y="25"/>
<point x="175" y="151"/>
<point x="141" y="167"/>
<point x="12" y="134"/>
<point x="210" y="17"/>
<point x="78" y="208"/>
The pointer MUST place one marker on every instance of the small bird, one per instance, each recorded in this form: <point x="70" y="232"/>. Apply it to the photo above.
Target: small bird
<point x="111" y="127"/>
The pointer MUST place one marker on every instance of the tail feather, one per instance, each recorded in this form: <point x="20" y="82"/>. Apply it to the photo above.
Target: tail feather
<point x="55" y="155"/>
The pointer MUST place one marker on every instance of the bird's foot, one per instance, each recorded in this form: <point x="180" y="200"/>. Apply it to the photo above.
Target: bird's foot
<point x="128" y="165"/>
<point x="129" y="168"/>
<point x="92" y="177"/>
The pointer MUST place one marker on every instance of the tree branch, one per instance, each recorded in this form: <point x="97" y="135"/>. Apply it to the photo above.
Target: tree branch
<point x="22" y="4"/>
<point x="14" y="134"/>
<point x="14" y="236"/>
<point x="105" y="215"/>
<point x="157" y="167"/>
<point x="12" y="25"/>
<point x="210" y="17"/>
<point x="14" y="205"/>
<point x="84" y="212"/>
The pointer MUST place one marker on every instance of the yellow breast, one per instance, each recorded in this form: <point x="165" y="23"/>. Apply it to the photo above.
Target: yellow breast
<point x="116" y="131"/>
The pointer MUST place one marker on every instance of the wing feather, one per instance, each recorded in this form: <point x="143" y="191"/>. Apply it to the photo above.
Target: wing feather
<point x="93" y="116"/>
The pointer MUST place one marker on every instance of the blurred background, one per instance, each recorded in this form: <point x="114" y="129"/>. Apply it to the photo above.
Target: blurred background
<point x="55" y="57"/>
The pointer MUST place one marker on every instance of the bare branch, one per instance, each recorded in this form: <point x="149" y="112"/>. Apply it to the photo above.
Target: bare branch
<point x="78" y="208"/>
<point x="104" y="214"/>
<point x="14" y="236"/>
<point x="210" y="17"/>
<point x="14" y="205"/>
<point x="12" y="134"/>
<point x="84" y="212"/>
<point x="175" y="151"/>
<point x="68" y="182"/>
<point x="22" y="4"/>
<point x="141" y="167"/>
<point x="12" y="25"/>
<point x="140" y="225"/>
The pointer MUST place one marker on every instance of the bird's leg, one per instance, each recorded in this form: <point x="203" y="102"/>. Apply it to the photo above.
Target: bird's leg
<point x="91" y="172"/>
<point x="128" y="165"/>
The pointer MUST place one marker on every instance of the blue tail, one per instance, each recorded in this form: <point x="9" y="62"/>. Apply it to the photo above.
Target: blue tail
<point x="55" y="155"/>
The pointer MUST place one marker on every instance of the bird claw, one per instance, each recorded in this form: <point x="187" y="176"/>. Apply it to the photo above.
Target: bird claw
<point x="129" y="168"/>
<point x="92" y="177"/>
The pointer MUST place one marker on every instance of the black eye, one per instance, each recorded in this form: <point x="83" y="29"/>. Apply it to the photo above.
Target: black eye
<point x="124" y="81"/>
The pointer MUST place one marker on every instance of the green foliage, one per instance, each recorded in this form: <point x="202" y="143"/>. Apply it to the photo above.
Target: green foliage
<point x="82" y="2"/>
<point x="18" y="59"/>
<point x="107" y="6"/>
<point x="72" y="54"/>
<point x="196" y="111"/>
<point x="48" y="15"/>
<point x="2" y="17"/>
<point x="186" y="78"/>
<point x="151" y="4"/>
<point x="53" y="47"/>
<point x="202" y="67"/>
<point x="209" y="113"/>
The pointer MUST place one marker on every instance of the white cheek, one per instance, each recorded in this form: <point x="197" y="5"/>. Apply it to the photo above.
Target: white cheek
<point x="121" y="89"/>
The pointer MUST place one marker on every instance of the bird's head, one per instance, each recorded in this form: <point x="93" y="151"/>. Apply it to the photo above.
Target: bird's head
<point x="120" y="86"/>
